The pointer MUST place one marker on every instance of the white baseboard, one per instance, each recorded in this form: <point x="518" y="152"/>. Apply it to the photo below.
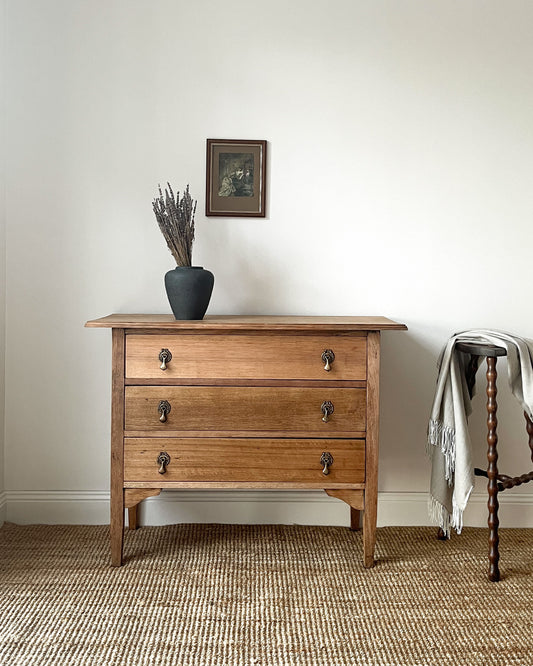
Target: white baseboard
<point x="3" y="507"/>
<point x="305" y="507"/>
<point x="57" y="507"/>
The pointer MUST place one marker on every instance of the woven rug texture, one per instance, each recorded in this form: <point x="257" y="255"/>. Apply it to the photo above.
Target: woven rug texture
<point x="268" y="595"/>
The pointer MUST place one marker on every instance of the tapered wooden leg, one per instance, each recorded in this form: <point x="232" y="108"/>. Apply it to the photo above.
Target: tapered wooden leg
<point x="117" y="528"/>
<point x="132" y="517"/>
<point x="355" y="500"/>
<point x="132" y="498"/>
<point x="117" y="448"/>
<point x="355" y="519"/>
<point x="372" y="441"/>
<point x="369" y="531"/>
<point x="492" y="470"/>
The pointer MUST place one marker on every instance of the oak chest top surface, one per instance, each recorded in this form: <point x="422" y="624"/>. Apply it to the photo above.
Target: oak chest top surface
<point x="247" y="322"/>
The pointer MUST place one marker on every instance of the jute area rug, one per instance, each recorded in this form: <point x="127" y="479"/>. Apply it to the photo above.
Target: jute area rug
<point x="232" y="595"/>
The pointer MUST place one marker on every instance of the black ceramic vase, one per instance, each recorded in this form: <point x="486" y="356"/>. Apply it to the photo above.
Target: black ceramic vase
<point x="189" y="290"/>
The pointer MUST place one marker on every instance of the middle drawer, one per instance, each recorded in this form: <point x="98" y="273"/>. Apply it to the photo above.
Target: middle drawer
<point x="317" y="411"/>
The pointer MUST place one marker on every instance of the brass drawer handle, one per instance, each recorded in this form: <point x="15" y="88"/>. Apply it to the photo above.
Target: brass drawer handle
<point x="163" y="459"/>
<point x="326" y="460"/>
<point x="165" y="357"/>
<point x="327" y="409"/>
<point x="328" y="357"/>
<point x="164" y="409"/>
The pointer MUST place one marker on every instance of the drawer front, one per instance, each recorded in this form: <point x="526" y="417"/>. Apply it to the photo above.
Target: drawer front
<point x="246" y="356"/>
<point x="268" y="460"/>
<point x="229" y="408"/>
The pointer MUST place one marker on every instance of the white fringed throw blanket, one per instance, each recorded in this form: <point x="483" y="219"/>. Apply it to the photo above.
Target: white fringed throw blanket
<point x="449" y="445"/>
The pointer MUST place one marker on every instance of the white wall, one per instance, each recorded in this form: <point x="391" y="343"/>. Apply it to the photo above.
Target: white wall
<point x="400" y="170"/>
<point x="3" y="35"/>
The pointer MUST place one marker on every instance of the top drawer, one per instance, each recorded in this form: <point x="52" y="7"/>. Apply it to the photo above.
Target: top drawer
<point x="246" y="356"/>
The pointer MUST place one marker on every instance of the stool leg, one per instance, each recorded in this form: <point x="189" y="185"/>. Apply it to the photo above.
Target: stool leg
<point x="492" y="470"/>
<point x="529" y="428"/>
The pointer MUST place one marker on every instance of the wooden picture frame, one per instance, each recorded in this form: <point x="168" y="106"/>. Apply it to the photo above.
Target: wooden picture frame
<point x="235" y="178"/>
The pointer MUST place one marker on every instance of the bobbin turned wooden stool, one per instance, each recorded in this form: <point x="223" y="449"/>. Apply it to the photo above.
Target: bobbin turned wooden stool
<point x="497" y="482"/>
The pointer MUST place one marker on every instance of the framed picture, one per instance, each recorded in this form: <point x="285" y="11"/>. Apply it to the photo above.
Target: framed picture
<point x="236" y="178"/>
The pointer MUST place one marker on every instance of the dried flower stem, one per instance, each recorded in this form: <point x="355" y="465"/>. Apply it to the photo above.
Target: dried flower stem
<point x="175" y="217"/>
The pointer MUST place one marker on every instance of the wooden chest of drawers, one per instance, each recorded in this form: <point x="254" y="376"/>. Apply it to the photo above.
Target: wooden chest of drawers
<point x="245" y="402"/>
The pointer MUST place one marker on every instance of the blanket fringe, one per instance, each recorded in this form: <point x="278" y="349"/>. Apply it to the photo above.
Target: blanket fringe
<point x="443" y="437"/>
<point x="441" y="517"/>
<point x="457" y="519"/>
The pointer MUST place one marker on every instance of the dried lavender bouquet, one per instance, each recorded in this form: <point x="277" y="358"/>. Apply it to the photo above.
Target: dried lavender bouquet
<point x="175" y="217"/>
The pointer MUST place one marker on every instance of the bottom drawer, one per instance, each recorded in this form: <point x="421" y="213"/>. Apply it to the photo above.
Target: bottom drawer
<point x="268" y="460"/>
